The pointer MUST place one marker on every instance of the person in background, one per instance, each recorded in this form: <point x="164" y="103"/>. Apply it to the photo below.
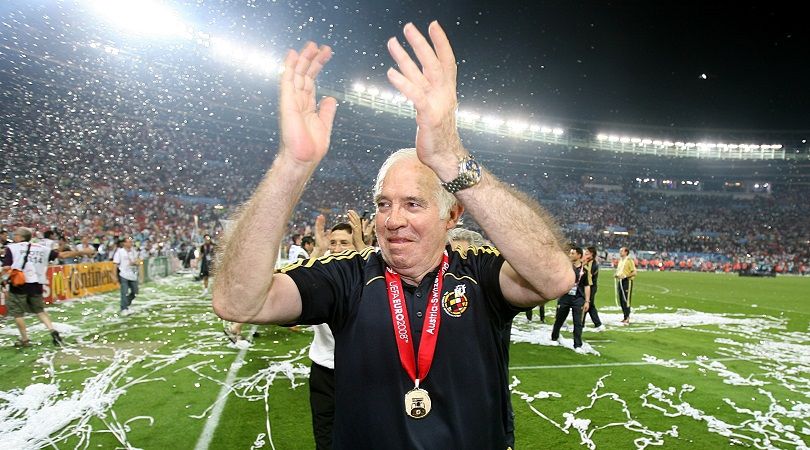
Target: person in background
<point x="206" y="261"/>
<point x="591" y="265"/>
<point x="127" y="261"/>
<point x="32" y="258"/>
<point x="625" y="274"/>
<point x="576" y="301"/>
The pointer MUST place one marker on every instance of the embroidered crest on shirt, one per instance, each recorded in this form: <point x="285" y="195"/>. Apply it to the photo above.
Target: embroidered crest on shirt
<point x="455" y="303"/>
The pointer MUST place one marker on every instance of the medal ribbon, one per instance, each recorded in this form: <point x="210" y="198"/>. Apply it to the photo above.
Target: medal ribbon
<point x="402" y="325"/>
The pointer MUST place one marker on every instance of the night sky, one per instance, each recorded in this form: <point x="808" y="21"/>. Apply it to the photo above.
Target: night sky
<point x="627" y="62"/>
<point x="604" y="66"/>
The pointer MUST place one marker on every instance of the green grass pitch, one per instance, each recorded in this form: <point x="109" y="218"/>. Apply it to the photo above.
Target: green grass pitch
<point x="708" y="361"/>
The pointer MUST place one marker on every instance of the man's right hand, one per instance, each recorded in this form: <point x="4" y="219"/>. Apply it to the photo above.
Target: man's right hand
<point x="305" y="128"/>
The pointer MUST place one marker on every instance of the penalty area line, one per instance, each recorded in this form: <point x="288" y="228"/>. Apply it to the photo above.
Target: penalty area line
<point x="213" y="420"/>
<point x="620" y="364"/>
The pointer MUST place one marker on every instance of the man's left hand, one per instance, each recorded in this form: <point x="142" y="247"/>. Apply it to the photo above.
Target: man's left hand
<point x="432" y="89"/>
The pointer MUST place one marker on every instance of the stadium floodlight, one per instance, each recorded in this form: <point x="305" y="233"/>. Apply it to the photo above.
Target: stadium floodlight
<point x="359" y="88"/>
<point x="535" y="128"/>
<point x="778" y="146"/>
<point x="387" y="96"/>
<point x="558" y="131"/>
<point x="468" y="116"/>
<point x="668" y="144"/>
<point x="399" y="98"/>
<point x="658" y="143"/>
<point x="517" y="126"/>
<point x="236" y="53"/>
<point x="373" y="91"/>
<point x="546" y="130"/>
<point x="601" y="137"/>
<point x="624" y="140"/>
<point x="646" y="141"/>
<point x="635" y="140"/>
<point x="493" y="122"/>
<point x="689" y="145"/>
<point x="143" y="17"/>
<point x="613" y="138"/>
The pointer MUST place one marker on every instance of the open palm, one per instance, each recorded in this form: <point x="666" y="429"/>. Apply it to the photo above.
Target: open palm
<point x="306" y="127"/>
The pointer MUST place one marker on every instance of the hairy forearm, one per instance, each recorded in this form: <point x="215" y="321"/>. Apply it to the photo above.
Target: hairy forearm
<point x="524" y="233"/>
<point x="247" y="258"/>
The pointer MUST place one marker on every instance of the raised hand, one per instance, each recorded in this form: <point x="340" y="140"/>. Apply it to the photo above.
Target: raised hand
<point x="357" y="229"/>
<point x="305" y="127"/>
<point x="432" y="89"/>
<point x="321" y="240"/>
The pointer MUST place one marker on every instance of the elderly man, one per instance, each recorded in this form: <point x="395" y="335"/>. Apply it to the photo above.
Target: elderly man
<point x="419" y="354"/>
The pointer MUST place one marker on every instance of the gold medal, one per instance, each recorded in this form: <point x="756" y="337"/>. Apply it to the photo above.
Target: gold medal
<point x="417" y="403"/>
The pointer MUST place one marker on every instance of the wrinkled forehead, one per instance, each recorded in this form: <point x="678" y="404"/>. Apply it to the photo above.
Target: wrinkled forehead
<point x="409" y="178"/>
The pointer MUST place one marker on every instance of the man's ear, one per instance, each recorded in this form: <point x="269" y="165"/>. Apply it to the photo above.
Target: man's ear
<point x="455" y="215"/>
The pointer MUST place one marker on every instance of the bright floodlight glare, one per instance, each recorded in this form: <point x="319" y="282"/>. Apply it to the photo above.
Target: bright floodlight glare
<point x="359" y="88"/>
<point x="236" y="53"/>
<point x="558" y="131"/>
<point x="493" y="122"/>
<point x="372" y="91"/>
<point x="601" y="137"/>
<point x="517" y="126"/>
<point x="143" y="17"/>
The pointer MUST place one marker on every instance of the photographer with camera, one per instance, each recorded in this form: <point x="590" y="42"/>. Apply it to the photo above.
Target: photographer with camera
<point x="26" y="297"/>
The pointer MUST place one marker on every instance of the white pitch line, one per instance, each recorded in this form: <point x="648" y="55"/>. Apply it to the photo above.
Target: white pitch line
<point x="634" y="363"/>
<point x="213" y="420"/>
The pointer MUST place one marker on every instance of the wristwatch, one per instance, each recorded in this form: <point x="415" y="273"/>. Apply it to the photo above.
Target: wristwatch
<point x="469" y="174"/>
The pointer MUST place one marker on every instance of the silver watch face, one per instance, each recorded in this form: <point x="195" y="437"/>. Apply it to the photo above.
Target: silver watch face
<point x="472" y="170"/>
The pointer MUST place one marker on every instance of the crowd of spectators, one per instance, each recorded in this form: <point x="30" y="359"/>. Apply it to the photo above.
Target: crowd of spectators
<point x="103" y="146"/>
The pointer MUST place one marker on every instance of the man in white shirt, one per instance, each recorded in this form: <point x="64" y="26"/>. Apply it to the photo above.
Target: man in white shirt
<point x="301" y="252"/>
<point x="88" y="248"/>
<point x="32" y="258"/>
<point x="127" y="261"/>
<point x="322" y="350"/>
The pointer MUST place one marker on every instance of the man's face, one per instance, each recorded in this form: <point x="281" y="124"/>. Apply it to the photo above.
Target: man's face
<point x="623" y="252"/>
<point x="17" y="237"/>
<point x="128" y="243"/>
<point x="309" y="246"/>
<point x="587" y="255"/>
<point x="340" y="240"/>
<point x="410" y="233"/>
<point x="573" y="255"/>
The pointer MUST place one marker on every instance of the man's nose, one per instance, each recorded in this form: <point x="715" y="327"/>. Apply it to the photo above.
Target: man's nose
<point x="395" y="219"/>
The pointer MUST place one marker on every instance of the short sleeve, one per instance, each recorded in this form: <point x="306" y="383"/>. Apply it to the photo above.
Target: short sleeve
<point x="327" y="285"/>
<point x="485" y="263"/>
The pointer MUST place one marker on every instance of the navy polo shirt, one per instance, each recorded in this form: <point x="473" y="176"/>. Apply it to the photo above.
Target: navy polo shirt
<point x="468" y="381"/>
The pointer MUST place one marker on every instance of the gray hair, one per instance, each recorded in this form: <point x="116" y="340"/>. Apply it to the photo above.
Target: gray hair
<point x="462" y="234"/>
<point x="444" y="199"/>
